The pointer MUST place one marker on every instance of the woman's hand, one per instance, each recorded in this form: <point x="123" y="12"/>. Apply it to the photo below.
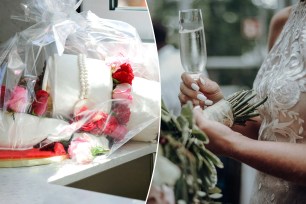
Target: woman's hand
<point x="221" y="138"/>
<point x="280" y="159"/>
<point x="203" y="92"/>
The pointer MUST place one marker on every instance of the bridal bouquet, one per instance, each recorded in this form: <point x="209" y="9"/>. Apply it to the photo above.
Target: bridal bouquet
<point x="236" y="109"/>
<point x="74" y="79"/>
<point x="185" y="163"/>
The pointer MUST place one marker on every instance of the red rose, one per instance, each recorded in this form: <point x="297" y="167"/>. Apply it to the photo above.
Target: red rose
<point x="39" y="106"/>
<point x="59" y="148"/>
<point x="88" y="126"/>
<point x="99" y="120"/>
<point x="111" y="125"/>
<point x="2" y="96"/>
<point x="122" y="112"/>
<point x="124" y="74"/>
<point x="119" y="132"/>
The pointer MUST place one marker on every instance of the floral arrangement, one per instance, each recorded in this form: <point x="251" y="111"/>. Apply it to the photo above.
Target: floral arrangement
<point x="183" y="143"/>
<point x="83" y="149"/>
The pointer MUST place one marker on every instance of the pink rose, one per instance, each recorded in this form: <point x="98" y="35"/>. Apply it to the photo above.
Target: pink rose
<point x="19" y="100"/>
<point x="80" y="150"/>
<point x="123" y="91"/>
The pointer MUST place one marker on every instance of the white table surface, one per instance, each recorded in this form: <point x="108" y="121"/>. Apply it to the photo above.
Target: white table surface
<point x="38" y="184"/>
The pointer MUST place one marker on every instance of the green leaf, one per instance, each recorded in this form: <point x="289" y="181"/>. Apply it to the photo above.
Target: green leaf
<point x="187" y="113"/>
<point x="214" y="159"/>
<point x="211" y="177"/>
<point x="95" y="151"/>
<point x="199" y="134"/>
<point x="165" y="116"/>
<point x="184" y="126"/>
<point x="214" y="190"/>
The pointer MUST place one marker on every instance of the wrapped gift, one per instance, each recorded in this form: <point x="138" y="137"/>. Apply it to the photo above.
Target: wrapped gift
<point x="73" y="78"/>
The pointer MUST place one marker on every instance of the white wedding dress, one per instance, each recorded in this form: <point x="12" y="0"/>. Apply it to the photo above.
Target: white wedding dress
<point x="282" y="78"/>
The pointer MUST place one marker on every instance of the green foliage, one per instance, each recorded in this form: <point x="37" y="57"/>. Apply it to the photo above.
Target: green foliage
<point x="183" y="143"/>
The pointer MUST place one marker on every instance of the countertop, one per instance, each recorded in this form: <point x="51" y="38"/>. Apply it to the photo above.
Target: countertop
<point x="45" y="184"/>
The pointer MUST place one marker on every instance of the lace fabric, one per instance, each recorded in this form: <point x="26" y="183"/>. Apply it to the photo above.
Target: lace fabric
<point x="282" y="77"/>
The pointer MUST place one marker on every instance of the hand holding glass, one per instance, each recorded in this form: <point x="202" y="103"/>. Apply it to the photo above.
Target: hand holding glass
<point x="192" y="42"/>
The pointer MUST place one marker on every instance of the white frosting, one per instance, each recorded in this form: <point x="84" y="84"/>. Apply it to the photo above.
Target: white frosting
<point x="23" y="131"/>
<point x="146" y="106"/>
<point x="63" y="75"/>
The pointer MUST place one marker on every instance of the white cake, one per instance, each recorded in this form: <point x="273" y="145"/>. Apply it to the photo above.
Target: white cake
<point x="62" y="78"/>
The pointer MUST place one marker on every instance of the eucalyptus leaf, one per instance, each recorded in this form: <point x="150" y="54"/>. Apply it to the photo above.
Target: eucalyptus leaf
<point x="214" y="159"/>
<point x="199" y="134"/>
<point x="185" y="131"/>
<point x="187" y="113"/>
<point x="214" y="190"/>
<point x="216" y="195"/>
<point x="165" y="116"/>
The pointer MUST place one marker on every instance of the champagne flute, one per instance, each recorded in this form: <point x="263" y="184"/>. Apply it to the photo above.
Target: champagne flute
<point x="192" y="42"/>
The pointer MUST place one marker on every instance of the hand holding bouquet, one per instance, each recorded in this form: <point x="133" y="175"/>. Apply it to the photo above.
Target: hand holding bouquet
<point x="236" y="109"/>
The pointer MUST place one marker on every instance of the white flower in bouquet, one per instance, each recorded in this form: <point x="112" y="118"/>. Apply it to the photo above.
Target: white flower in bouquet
<point x="237" y="109"/>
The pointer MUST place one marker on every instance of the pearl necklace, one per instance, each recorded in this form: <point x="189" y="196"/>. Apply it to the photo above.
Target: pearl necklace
<point x="83" y="77"/>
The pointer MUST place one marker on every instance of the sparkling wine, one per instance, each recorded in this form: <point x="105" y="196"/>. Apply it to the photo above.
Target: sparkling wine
<point x="193" y="50"/>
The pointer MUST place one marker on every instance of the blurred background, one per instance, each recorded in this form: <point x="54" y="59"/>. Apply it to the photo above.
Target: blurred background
<point x="236" y="33"/>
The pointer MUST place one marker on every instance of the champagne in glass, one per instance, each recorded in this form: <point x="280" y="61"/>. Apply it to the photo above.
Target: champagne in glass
<point x="192" y="42"/>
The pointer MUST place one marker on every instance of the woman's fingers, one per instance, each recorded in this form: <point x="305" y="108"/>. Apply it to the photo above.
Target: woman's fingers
<point x="210" y="88"/>
<point x="191" y="93"/>
<point x="184" y="99"/>
<point x="203" y="91"/>
<point x="189" y="82"/>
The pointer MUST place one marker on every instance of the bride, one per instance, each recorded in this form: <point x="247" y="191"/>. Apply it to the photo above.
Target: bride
<point x="275" y="145"/>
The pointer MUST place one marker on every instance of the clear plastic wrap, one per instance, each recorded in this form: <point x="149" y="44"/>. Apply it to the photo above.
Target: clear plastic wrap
<point x="72" y="78"/>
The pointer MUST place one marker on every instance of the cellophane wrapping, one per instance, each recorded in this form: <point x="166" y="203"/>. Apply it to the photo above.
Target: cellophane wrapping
<point x="75" y="79"/>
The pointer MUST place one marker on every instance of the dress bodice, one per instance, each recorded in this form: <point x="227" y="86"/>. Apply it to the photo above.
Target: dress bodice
<point x="282" y="77"/>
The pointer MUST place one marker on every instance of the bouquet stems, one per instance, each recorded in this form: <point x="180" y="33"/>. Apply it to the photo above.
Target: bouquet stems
<point x="236" y="109"/>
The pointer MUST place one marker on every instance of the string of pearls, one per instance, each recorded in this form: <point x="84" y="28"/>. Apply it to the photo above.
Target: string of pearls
<point x="83" y="77"/>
